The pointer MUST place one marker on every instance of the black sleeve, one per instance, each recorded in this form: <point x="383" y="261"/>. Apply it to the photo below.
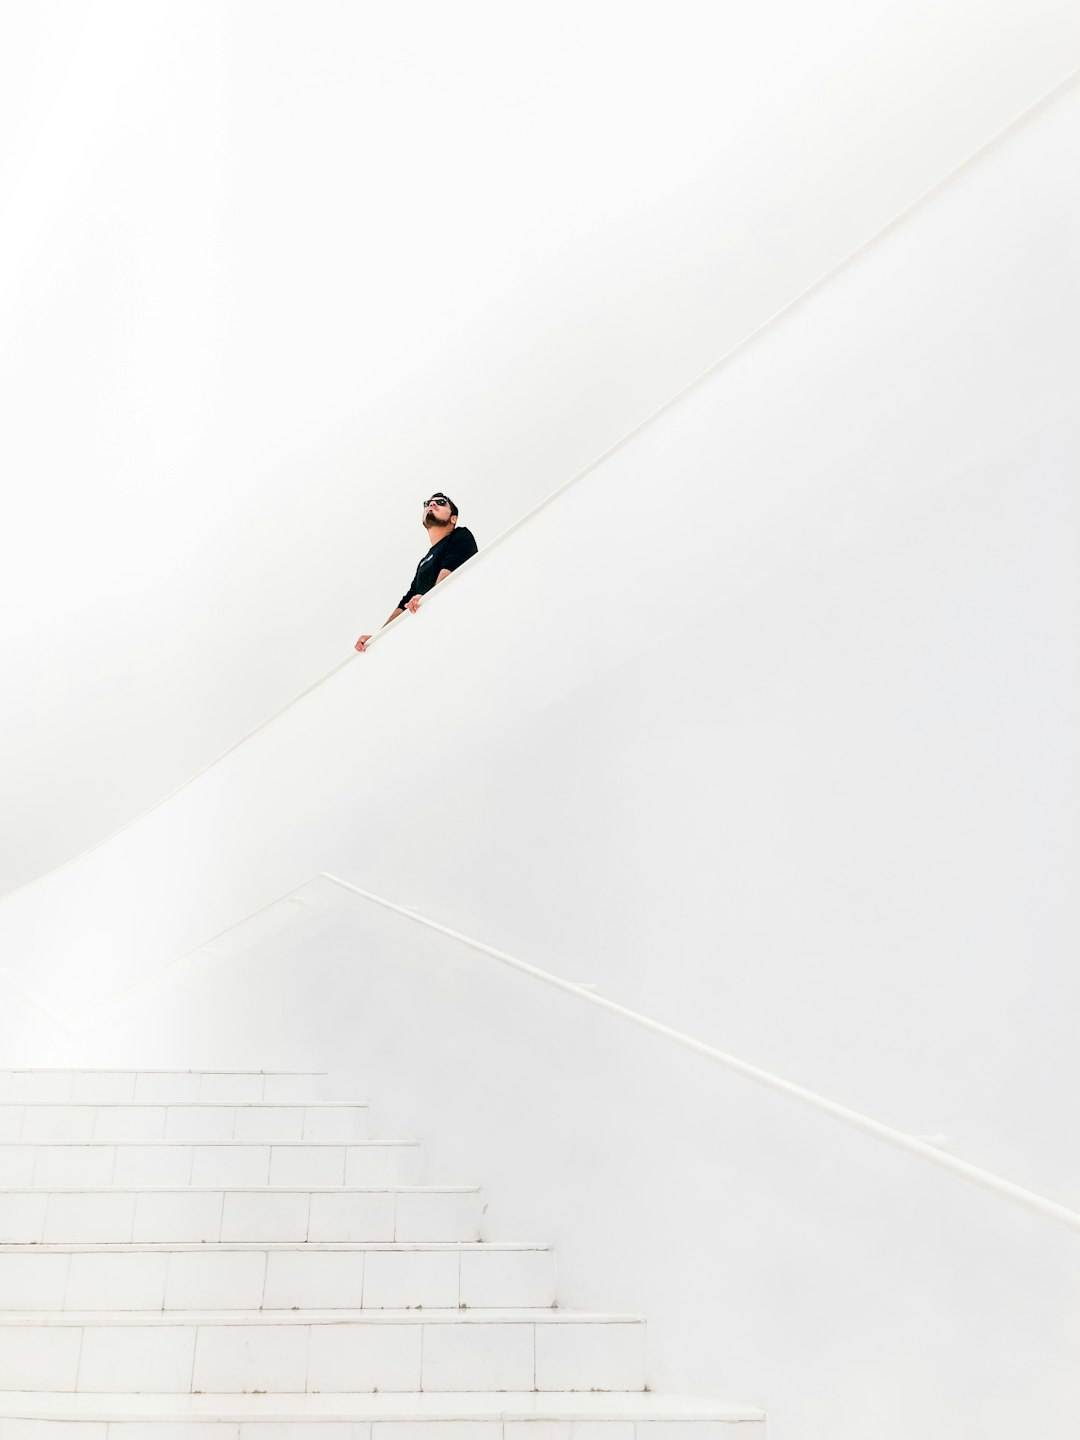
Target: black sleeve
<point x="460" y="546"/>
<point x="409" y="593"/>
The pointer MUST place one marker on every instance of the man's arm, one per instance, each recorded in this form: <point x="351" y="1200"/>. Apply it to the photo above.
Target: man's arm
<point x="362" y="643"/>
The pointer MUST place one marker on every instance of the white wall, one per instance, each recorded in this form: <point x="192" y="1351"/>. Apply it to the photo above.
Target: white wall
<point x="766" y="727"/>
<point x="269" y="272"/>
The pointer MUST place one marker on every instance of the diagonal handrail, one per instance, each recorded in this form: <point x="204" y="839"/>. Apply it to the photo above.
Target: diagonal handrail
<point x="923" y="1149"/>
<point x="912" y="1144"/>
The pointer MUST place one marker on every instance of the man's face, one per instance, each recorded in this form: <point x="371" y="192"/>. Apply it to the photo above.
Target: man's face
<point x="437" y="511"/>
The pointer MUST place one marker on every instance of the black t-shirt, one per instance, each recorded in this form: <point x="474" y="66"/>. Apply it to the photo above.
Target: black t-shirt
<point x="447" y="554"/>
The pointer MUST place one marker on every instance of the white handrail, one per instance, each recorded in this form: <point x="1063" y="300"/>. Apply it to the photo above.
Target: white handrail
<point x="974" y="1174"/>
<point x="669" y="404"/>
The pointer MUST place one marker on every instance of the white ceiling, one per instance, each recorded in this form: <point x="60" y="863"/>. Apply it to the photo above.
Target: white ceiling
<point x="270" y="271"/>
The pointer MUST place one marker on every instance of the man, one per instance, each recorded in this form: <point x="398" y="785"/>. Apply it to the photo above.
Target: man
<point x="451" y="546"/>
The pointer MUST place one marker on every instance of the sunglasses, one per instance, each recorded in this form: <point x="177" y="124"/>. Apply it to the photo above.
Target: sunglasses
<point x="436" y="500"/>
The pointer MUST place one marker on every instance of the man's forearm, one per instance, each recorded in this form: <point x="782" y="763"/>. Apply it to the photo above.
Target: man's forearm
<point x="393" y="616"/>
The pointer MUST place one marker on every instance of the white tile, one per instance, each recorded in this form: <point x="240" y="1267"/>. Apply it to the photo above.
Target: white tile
<point x="130" y="1122"/>
<point x="402" y="1279"/>
<point x="200" y="1122"/>
<point x="496" y="1279"/>
<point x="269" y="1122"/>
<point x="435" y="1429"/>
<point x="5" y="1086"/>
<point x="305" y="1430"/>
<point x="174" y="1088"/>
<point x="152" y="1165"/>
<point x="102" y="1087"/>
<point x="11" y="1121"/>
<point x="427" y="1215"/>
<point x="116" y="1281"/>
<point x="307" y="1165"/>
<point x="74" y="1165"/>
<point x="228" y="1165"/>
<point x="176" y="1216"/>
<point x="58" y="1122"/>
<point x="590" y="1357"/>
<point x="22" y="1218"/>
<point x="138" y="1358"/>
<point x="218" y="1280"/>
<point x="370" y="1165"/>
<point x="364" y="1357"/>
<point x="569" y="1430"/>
<point x="352" y="1215"/>
<point x="173" y="1430"/>
<point x="41" y="1085"/>
<point x="245" y="1358"/>
<point x="17" y="1165"/>
<point x="93" y="1219"/>
<point x="336" y="1122"/>
<point x="17" y="1428"/>
<point x="249" y="1215"/>
<point x="231" y="1089"/>
<point x="404" y="1165"/>
<point x="699" y="1430"/>
<point x="39" y="1357"/>
<point x="292" y="1089"/>
<point x="314" y="1280"/>
<point x="33" y="1282"/>
<point x="464" y="1356"/>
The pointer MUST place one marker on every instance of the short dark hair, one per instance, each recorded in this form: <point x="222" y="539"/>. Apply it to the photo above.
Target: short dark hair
<point x="440" y="495"/>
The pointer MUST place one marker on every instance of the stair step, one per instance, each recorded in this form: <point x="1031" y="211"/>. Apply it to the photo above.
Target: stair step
<point x="150" y="1215"/>
<point x="160" y="1087"/>
<point x="50" y="1163"/>
<point x="555" y="1415"/>
<point x="276" y="1277"/>
<point x="319" y="1351"/>
<point x="204" y="1120"/>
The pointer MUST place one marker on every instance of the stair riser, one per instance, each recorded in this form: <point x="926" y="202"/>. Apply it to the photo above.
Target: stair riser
<point x="224" y="1163"/>
<point x="277" y="1280"/>
<point x="331" y="1429"/>
<point x="183" y="1122"/>
<point x="118" y="1217"/>
<point x="294" y="1358"/>
<point x="179" y="1087"/>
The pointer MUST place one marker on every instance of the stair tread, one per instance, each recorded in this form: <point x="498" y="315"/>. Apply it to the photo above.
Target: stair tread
<point x="174" y="1318"/>
<point x="176" y="1144"/>
<point x="506" y="1405"/>
<point x="206" y="1247"/>
<point x="183" y="1104"/>
<point x="387" y="1189"/>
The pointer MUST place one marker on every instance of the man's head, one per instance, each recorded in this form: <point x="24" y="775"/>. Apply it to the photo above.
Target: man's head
<point x="439" y="511"/>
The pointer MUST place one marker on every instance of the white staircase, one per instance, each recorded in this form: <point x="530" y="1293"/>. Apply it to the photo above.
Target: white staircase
<point x="195" y="1255"/>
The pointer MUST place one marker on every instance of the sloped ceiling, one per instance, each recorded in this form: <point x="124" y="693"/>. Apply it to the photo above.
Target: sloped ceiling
<point x="271" y="271"/>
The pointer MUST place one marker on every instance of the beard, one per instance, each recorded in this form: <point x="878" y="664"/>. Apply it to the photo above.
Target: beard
<point x="432" y="522"/>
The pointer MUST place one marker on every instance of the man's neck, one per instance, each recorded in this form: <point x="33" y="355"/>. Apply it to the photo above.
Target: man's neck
<point x="437" y="533"/>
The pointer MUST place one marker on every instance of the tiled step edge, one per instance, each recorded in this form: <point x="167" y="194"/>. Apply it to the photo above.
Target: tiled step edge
<point x="323" y="1352"/>
<point x="159" y="1086"/>
<point x="123" y="1164"/>
<point x="537" y="1416"/>
<point x="466" y="1275"/>
<point x="226" y="1213"/>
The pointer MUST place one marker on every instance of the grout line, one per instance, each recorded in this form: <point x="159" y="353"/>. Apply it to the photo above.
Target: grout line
<point x="78" y="1362"/>
<point x="67" y="1281"/>
<point x="266" y="1278"/>
<point x="307" y="1358"/>
<point x="194" y="1352"/>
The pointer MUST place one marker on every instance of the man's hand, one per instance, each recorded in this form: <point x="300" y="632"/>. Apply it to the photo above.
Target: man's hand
<point x="413" y="604"/>
<point x="361" y="644"/>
